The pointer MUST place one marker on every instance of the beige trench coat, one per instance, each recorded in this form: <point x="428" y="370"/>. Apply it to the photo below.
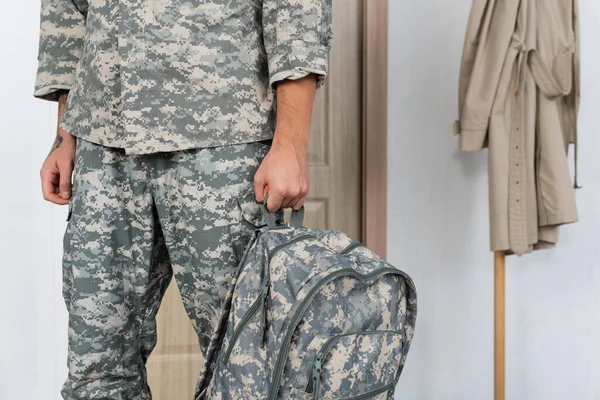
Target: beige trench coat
<point x="519" y="97"/>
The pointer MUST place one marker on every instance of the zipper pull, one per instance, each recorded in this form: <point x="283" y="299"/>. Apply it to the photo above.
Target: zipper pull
<point x="316" y="376"/>
<point x="263" y="311"/>
<point x="317" y="367"/>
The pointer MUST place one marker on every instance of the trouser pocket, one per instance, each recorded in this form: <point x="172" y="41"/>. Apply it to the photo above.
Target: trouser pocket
<point x="353" y="366"/>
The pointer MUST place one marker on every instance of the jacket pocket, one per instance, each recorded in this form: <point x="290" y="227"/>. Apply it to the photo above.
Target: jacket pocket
<point x="563" y="70"/>
<point x="354" y="366"/>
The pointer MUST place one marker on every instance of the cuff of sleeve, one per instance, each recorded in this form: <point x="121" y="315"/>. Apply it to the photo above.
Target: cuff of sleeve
<point x="472" y="140"/>
<point x="52" y="76"/>
<point x="50" y="91"/>
<point x="297" y="61"/>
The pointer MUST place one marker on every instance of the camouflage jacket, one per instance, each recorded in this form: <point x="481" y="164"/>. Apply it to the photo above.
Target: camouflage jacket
<point x="166" y="75"/>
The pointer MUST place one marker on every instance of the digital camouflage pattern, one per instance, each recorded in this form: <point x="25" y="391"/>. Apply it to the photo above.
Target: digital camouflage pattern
<point x="300" y="292"/>
<point x="165" y="75"/>
<point x="134" y="221"/>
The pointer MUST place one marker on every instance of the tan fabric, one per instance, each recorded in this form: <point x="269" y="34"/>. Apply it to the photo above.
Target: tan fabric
<point x="519" y="97"/>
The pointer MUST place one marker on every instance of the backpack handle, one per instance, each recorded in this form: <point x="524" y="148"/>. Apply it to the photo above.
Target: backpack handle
<point x="296" y="219"/>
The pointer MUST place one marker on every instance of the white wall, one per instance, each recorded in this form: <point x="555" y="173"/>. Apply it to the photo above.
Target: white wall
<point x="438" y="231"/>
<point x="32" y="316"/>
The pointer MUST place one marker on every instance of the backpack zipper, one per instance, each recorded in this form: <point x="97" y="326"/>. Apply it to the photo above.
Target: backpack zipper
<point x="266" y="283"/>
<point x="295" y="320"/>
<point x="245" y="320"/>
<point x="259" y="303"/>
<point x="276" y="249"/>
<point x="328" y="345"/>
<point x="351" y="247"/>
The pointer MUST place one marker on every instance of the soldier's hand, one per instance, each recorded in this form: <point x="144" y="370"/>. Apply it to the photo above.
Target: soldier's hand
<point x="284" y="175"/>
<point x="57" y="169"/>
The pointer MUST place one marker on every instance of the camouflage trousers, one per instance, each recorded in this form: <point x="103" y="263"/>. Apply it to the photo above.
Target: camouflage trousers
<point x="134" y="222"/>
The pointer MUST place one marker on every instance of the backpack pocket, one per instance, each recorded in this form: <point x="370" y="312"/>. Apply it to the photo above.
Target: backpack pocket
<point x="354" y="366"/>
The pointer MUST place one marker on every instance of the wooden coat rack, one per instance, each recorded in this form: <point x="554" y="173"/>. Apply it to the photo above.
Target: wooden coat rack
<point x="499" y="324"/>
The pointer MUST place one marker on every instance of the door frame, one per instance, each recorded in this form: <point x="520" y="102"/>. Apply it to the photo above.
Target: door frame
<point x="374" y="136"/>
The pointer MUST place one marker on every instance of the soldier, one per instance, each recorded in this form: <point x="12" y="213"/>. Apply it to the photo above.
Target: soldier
<point x="175" y="119"/>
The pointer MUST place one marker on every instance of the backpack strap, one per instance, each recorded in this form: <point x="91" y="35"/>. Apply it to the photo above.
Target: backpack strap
<point x="267" y="215"/>
<point x="296" y="219"/>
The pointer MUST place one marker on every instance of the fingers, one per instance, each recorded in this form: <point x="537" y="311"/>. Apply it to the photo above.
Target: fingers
<point x="285" y="181"/>
<point x="292" y="196"/>
<point x="50" y="185"/>
<point x="275" y="200"/>
<point x="285" y="195"/>
<point x="299" y="203"/>
<point x="64" y="186"/>
<point x="260" y="185"/>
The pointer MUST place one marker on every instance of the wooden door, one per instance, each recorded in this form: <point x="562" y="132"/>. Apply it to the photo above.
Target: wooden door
<point x="334" y="201"/>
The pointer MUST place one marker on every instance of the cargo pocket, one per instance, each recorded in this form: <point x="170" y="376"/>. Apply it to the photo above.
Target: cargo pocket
<point x="355" y="366"/>
<point x="250" y="209"/>
<point x="67" y="257"/>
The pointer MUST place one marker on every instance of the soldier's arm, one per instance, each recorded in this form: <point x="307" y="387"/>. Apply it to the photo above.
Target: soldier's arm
<point x="61" y="135"/>
<point x="284" y="171"/>
<point x="295" y="99"/>
<point x="62" y="31"/>
<point x="297" y="39"/>
<point x="55" y="174"/>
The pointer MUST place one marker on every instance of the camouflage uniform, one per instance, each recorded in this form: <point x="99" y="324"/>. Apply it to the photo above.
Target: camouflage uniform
<point x="165" y="75"/>
<point x="134" y="221"/>
<point x="170" y="100"/>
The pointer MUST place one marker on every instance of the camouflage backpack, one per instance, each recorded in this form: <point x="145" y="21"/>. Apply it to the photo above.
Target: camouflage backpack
<point x="313" y="315"/>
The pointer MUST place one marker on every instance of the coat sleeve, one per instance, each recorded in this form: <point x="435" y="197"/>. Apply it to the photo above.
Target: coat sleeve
<point x="489" y="31"/>
<point x="62" y="28"/>
<point x="576" y="92"/>
<point x="297" y="36"/>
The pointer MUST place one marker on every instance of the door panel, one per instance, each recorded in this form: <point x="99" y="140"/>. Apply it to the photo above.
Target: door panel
<point x="334" y="201"/>
<point x="335" y="142"/>
<point x="175" y="363"/>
